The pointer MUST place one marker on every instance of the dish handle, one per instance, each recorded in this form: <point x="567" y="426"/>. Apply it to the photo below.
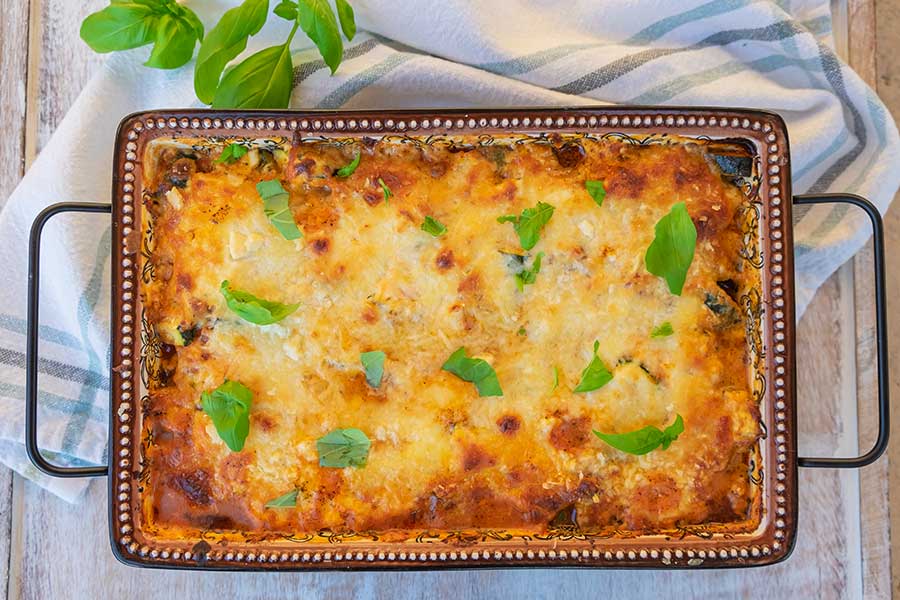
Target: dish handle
<point x="884" y="418"/>
<point x="31" y="343"/>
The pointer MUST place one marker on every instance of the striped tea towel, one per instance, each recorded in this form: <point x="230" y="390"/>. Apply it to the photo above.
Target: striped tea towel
<point x="774" y="55"/>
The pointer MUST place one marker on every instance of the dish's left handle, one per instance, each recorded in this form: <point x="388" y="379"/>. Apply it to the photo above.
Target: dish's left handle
<point x="31" y="342"/>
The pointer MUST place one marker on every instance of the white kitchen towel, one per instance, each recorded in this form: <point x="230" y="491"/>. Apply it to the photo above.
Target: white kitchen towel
<point x="774" y="55"/>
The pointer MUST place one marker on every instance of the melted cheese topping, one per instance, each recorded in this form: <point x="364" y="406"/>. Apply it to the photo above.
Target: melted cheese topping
<point x="368" y="278"/>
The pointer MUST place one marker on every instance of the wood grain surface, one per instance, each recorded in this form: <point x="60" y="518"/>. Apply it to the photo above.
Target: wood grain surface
<point x="876" y="547"/>
<point x="57" y="550"/>
<point x="14" y="70"/>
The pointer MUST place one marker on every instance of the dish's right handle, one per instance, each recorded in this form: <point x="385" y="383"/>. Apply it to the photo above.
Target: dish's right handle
<point x="31" y="343"/>
<point x="884" y="418"/>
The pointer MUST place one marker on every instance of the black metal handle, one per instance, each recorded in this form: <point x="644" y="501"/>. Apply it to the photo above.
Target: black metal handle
<point x="884" y="416"/>
<point x="31" y="340"/>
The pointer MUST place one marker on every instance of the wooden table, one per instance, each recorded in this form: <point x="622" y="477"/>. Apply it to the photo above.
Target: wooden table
<point x="50" y="549"/>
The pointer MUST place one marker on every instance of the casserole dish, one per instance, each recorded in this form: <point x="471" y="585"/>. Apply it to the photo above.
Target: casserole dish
<point x="751" y="151"/>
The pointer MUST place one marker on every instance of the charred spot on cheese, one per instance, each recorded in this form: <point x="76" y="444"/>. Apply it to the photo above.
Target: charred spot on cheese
<point x="444" y="260"/>
<point x="730" y="287"/>
<point x="569" y="155"/>
<point x="320" y="245"/>
<point x="304" y="166"/>
<point x="626" y="183"/>
<point x="476" y="458"/>
<point x="509" y="424"/>
<point x="194" y="485"/>
<point x="373" y="198"/>
<point x="570" y="433"/>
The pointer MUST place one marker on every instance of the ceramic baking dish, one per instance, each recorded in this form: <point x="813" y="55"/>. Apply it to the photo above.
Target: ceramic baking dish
<point x="751" y="147"/>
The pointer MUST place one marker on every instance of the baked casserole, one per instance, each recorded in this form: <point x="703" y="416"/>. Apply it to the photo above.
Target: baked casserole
<point x="408" y="334"/>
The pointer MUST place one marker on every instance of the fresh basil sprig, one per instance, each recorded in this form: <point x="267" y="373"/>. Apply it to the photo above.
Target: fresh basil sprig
<point x="373" y="364"/>
<point x="262" y="80"/>
<point x="529" y="224"/>
<point x="253" y="309"/>
<point x="232" y="153"/>
<point x="229" y="408"/>
<point x="288" y="500"/>
<point x="224" y="43"/>
<point x="474" y="370"/>
<point x="433" y="226"/>
<point x="644" y="440"/>
<point x="595" y="375"/>
<point x="173" y="30"/>
<point x="277" y="208"/>
<point x="343" y="448"/>
<point x="670" y="254"/>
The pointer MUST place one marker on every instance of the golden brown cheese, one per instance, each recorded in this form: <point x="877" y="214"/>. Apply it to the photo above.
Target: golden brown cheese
<point x="368" y="278"/>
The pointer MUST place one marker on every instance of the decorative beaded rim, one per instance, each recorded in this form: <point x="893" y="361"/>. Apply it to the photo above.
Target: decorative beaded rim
<point x="770" y="543"/>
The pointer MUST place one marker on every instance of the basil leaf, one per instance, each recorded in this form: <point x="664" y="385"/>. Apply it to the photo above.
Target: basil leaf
<point x="347" y="170"/>
<point x="229" y="408"/>
<point x="345" y="15"/>
<point x="595" y="375"/>
<point x="224" y="43"/>
<point x="289" y="500"/>
<point x="317" y="21"/>
<point x="644" y="440"/>
<point x="474" y="370"/>
<point x="555" y="378"/>
<point x="434" y="227"/>
<point x="521" y="331"/>
<point x="385" y="190"/>
<point x="286" y="9"/>
<point x="528" y="225"/>
<point x="231" y="153"/>
<point x="174" y="43"/>
<point x="596" y="190"/>
<point x="373" y="363"/>
<point x="188" y="15"/>
<point x="672" y="250"/>
<point x="253" y="309"/>
<point x="120" y="26"/>
<point x="262" y="80"/>
<point x="343" y="448"/>
<point x="663" y="330"/>
<point x="275" y="204"/>
<point x="527" y="276"/>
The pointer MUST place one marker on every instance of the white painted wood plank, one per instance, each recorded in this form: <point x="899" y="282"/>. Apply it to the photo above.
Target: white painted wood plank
<point x="14" y="69"/>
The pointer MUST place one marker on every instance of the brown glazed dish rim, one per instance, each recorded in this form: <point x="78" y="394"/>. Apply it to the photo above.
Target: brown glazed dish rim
<point x="763" y="133"/>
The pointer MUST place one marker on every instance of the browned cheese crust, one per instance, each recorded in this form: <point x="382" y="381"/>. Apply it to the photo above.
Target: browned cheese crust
<point x="368" y="278"/>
